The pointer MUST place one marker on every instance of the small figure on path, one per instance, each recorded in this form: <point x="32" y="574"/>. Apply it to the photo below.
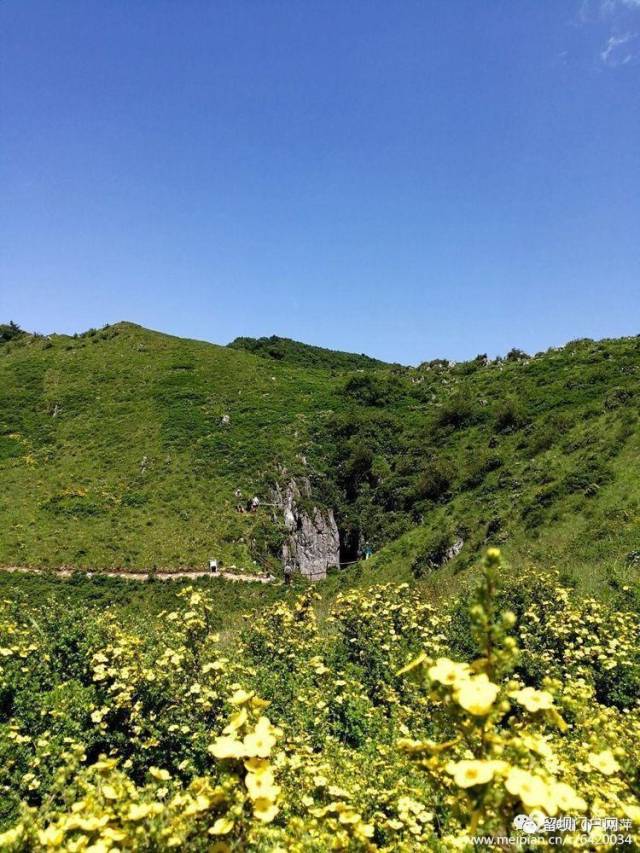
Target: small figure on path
<point x="213" y="566"/>
<point x="288" y="574"/>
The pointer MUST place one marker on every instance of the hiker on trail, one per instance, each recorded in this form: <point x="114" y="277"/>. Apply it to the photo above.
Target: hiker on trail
<point x="255" y="503"/>
<point x="288" y="574"/>
<point x="368" y="551"/>
<point x="213" y="566"/>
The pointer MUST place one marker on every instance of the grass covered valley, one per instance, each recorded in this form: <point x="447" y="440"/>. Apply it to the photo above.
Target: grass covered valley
<point x="478" y="674"/>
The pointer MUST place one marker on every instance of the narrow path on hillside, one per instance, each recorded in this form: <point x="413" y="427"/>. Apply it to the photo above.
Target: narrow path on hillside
<point x="143" y="576"/>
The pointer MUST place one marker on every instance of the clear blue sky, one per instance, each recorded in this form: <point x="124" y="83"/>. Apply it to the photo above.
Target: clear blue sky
<point x="409" y="179"/>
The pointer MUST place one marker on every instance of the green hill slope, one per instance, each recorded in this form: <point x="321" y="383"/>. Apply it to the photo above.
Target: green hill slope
<point x="305" y="355"/>
<point x="115" y="451"/>
<point x="539" y="454"/>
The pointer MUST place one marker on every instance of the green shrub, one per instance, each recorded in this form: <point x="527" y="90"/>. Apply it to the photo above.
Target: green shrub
<point x="372" y="390"/>
<point x="457" y="411"/>
<point x="510" y="415"/>
<point x="436" y="479"/>
<point x="9" y="332"/>
<point x="433" y="552"/>
<point x="617" y="397"/>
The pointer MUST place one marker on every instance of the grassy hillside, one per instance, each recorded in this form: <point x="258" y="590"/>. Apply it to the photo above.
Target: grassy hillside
<point x="539" y="454"/>
<point x="113" y="452"/>
<point x="113" y="449"/>
<point x="305" y="355"/>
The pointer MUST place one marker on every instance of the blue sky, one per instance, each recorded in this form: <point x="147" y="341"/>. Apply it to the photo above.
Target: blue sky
<point x="408" y="179"/>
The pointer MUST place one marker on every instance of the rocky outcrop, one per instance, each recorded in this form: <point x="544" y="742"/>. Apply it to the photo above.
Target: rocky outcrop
<point x="313" y="542"/>
<point x="452" y="552"/>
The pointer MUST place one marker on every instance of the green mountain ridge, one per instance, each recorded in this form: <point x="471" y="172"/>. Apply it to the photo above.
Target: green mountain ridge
<point x="125" y="447"/>
<point x="306" y="355"/>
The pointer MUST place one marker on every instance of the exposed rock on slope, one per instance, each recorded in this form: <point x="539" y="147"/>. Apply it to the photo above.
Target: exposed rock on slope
<point x="313" y="542"/>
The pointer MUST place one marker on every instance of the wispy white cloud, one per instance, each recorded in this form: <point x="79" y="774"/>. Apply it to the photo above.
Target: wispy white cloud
<point x="621" y="18"/>
<point x="593" y="10"/>
<point x="621" y="50"/>
<point x="610" y="7"/>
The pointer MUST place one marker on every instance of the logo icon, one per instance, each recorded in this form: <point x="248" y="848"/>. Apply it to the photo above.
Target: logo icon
<point x="529" y="823"/>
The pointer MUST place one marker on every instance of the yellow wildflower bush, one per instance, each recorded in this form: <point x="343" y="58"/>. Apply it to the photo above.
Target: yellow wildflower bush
<point x="506" y="748"/>
<point x="375" y="727"/>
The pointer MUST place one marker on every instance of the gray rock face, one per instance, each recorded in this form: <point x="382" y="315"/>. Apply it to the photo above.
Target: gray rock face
<point x="454" y="550"/>
<point x="313" y="542"/>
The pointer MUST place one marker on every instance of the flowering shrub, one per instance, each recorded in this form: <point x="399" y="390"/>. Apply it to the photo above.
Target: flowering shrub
<point x="348" y="728"/>
<point x="506" y="748"/>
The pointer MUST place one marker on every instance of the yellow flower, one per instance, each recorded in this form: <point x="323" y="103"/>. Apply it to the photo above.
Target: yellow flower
<point x="10" y="837"/>
<point x="631" y="811"/>
<point x="565" y="798"/>
<point x="533" y="700"/>
<point x="222" y="826"/>
<point x="52" y="836"/>
<point x="259" y="742"/>
<point x="531" y="789"/>
<point x="265" y="810"/>
<point x="200" y="804"/>
<point x="472" y="772"/>
<point x="604" y="762"/>
<point x="261" y="786"/>
<point x="448" y="672"/>
<point x="236" y="721"/>
<point x="227" y="747"/>
<point x="337" y="791"/>
<point x="364" y="830"/>
<point x="212" y="666"/>
<point x="476" y="695"/>
<point x="160" y="774"/>
<point x="240" y="697"/>
<point x="138" y="811"/>
<point x="109" y="792"/>
<point x="99" y="847"/>
<point x="114" y="834"/>
<point x="349" y="816"/>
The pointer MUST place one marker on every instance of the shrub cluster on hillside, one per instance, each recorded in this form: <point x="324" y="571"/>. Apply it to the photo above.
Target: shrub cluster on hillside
<point x="9" y="332"/>
<point x="304" y="355"/>
<point x="386" y="722"/>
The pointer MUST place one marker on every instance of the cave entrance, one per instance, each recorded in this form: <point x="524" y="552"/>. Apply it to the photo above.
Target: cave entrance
<point x="349" y="545"/>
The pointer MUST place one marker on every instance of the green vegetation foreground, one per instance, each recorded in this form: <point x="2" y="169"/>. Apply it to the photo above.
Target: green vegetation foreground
<point x="388" y="724"/>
